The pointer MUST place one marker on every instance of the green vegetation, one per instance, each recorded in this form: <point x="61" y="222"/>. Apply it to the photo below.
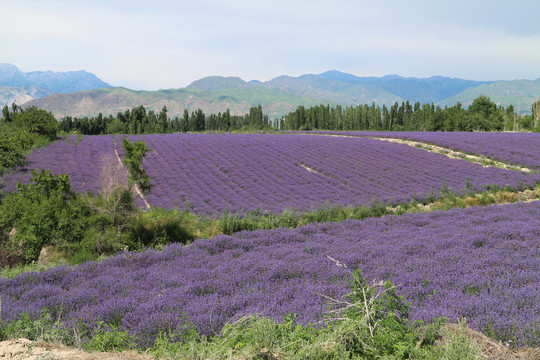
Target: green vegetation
<point x="482" y="115"/>
<point x="22" y="130"/>
<point x="141" y="121"/>
<point x="47" y="214"/>
<point x="134" y="154"/>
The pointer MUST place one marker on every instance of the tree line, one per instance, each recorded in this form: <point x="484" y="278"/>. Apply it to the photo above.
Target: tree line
<point x="482" y="115"/>
<point x="139" y="120"/>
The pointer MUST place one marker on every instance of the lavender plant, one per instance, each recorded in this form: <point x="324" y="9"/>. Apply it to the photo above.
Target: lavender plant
<point x="480" y="263"/>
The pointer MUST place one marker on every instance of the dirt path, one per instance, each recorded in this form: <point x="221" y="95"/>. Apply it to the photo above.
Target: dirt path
<point x="310" y="169"/>
<point x="453" y="154"/>
<point x="136" y="186"/>
<point x="23" y="349"/>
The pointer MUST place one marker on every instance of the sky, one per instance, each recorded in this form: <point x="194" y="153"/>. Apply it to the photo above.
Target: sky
<point x="161" y="44"/>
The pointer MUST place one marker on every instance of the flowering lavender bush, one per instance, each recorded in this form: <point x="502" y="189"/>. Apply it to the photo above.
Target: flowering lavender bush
<point x="478" y="263"/>
<point x="213" y="173"/>
<point x="512" y="148"/>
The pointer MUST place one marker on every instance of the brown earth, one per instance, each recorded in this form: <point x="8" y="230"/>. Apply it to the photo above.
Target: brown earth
<point x="23" y="349"/>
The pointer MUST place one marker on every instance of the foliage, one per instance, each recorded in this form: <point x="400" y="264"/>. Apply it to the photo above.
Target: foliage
<point x="11" y="154"/>
<point x="458" y="346"/>
<point x="139" y="120"/>
<point x="109" y="338"/>
<point x="134" y="154"/>
<point x="48" y="212"/>
<point x="37" y="121"/>
<point x="20" y="131"/>
<point x="482" y="115"/>
<point x="44" y="212"/>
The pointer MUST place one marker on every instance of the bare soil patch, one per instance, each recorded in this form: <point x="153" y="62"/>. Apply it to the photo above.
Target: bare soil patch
<point x="23" y="349"/>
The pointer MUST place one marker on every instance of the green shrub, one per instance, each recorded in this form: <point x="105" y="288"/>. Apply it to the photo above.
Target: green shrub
<point x="134" y="154"/>
<point x="44" y="212"/>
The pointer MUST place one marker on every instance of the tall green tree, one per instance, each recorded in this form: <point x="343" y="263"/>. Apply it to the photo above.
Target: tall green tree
<point x="38" y="121"/>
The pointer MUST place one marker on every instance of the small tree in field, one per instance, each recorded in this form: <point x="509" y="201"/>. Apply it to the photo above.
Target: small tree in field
<point x="134" y="154"/>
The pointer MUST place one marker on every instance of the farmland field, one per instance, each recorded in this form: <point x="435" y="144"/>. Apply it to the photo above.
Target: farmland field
<point x="239" y="173"/>
<point x="481" y="263"/>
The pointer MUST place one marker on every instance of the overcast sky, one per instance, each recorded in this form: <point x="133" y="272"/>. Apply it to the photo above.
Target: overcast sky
<point x="168" y="44"/>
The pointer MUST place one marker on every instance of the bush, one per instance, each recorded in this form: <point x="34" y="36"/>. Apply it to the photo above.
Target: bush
<point x="44" y="212"/>
<point x="37" y="121"/>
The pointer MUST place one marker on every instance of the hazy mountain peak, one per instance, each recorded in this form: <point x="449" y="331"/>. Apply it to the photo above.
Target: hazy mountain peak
<point x="31" y="85"/>
<point x="217" y="83"/>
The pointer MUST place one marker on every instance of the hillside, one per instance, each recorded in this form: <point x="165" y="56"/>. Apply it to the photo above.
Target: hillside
<point x="113" y="100"/>
<point x="17" y="86"/>
<point x="282" y="94"/>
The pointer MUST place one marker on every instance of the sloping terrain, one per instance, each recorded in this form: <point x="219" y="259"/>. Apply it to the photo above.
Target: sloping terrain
<point x="113" y="100"/>
<point x="522" y="93"/>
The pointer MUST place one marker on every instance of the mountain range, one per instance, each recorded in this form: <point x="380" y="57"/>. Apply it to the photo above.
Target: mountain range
<point x="19" y="87"/>
<point x="81" y="93"/>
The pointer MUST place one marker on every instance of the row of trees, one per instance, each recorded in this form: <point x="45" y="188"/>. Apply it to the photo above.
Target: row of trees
<point x="140" y="121"/>
<point x="482" y="115"/>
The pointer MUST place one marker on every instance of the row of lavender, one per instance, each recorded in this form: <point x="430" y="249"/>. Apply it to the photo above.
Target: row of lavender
<point x="513" y="148"/>
<point x="478" y="263"/>
<point x="240" y="173"/>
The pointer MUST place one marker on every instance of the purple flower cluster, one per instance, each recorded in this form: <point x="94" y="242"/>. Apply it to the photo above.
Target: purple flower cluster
<point x="478" y="263"/>
<point x="512" y="148"/>
<point x="212" y="173"/>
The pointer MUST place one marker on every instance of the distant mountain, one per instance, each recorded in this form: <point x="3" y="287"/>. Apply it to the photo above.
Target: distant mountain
<point x="113" y="100"/>
<point x="218" y="83"/>
<point x="427" y="90"/>
<point x="285" y="93"/>
<point x="350" y="89"/>
<point x="18" y="86"/>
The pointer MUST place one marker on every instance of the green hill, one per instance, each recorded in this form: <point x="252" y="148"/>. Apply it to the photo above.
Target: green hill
<point x="522" y="93"/>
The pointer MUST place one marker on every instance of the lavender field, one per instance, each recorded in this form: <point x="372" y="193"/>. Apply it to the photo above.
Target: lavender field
<point x="478" y="263"/>
<point x="239" y="173"/>
<point x="512" y="148"/>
